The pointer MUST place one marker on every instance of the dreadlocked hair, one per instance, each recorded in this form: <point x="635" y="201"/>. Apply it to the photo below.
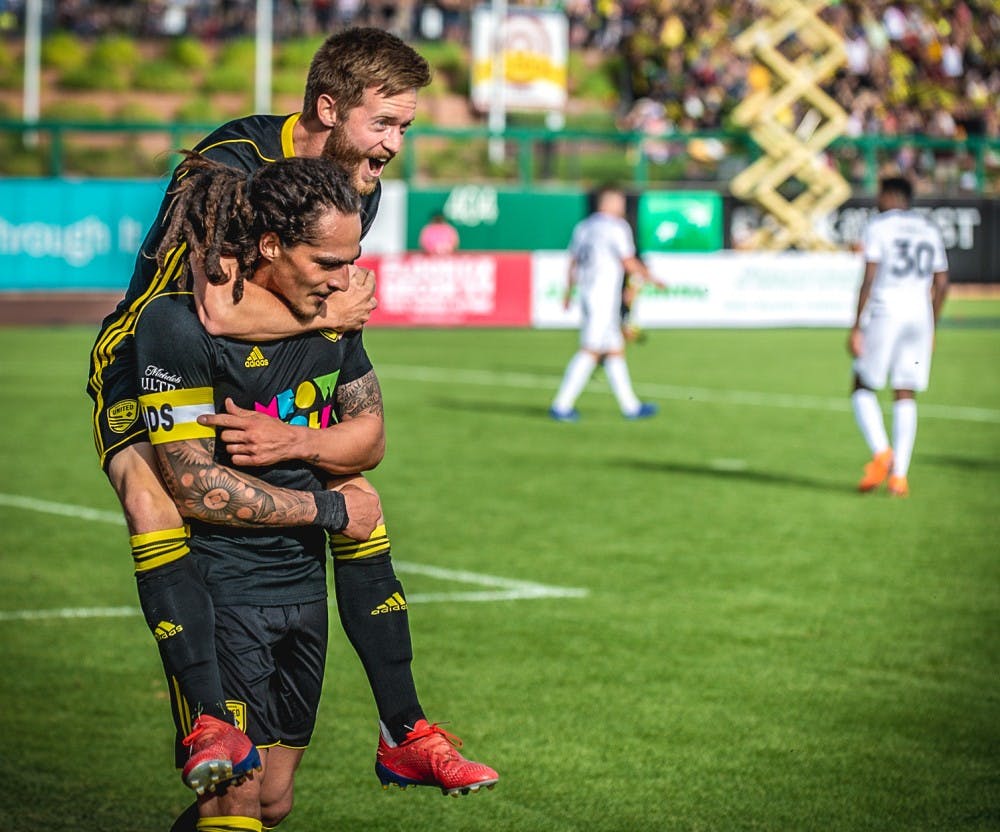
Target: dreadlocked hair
<point x="219" y="211"/>
<point x="210" y="213"/>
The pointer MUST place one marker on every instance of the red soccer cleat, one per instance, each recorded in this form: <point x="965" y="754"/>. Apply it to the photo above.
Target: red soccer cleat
<point x="220" y="753"/>
<point x="428" y="757"/>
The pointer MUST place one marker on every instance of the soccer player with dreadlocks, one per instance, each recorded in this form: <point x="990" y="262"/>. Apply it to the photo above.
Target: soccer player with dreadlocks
<point x="359" y="100"/>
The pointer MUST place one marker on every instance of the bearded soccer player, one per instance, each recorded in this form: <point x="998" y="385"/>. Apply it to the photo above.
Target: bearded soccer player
<point x="899" y="303"/>
<point x="257" y="533"/>
<point x="360" y="98"/>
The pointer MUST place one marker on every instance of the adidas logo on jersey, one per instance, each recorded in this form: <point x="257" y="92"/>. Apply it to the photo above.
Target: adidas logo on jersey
<point x="394" y="603"/>
<point x="256" y="359"/>
<point x="166" y="629"/>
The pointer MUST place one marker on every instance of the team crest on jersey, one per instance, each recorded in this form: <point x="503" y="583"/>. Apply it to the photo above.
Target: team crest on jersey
<point x="122" y="415"/>
<point x="330" y="335"/>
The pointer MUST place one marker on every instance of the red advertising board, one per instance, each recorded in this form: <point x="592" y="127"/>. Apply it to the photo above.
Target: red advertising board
<point x="475" y="289"/>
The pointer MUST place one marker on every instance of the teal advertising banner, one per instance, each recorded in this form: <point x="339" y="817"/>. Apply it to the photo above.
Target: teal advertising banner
<point x="498" y="219"/>
<point x="680" y="221"/>
<point x="65" y="234"/>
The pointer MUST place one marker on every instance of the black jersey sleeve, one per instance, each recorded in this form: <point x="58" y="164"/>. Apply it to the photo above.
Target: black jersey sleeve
<point x="246" y="143"/>
<point x="173" y="349"/>
<point x="355" y="362"/>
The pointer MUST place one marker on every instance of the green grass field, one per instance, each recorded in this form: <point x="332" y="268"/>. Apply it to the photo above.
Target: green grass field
<point x="689" y="623"/>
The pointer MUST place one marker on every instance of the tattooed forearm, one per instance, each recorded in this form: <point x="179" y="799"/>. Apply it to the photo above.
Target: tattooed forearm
<point x="362" y="395"/>
<point x="205" y="490"/>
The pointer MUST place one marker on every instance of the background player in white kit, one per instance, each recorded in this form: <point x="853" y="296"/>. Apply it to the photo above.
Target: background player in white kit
<point x="602" y="253"/>
<point x="900" y="299"/>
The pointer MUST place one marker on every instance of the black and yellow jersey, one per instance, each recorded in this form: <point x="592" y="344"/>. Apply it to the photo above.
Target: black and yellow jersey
<point x="183" y="372"/>
<point x="246" y="144"/>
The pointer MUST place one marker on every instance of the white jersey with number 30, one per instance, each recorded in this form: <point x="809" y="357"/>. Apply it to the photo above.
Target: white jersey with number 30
<point x="899" y="330"/>
<point x="908" y="249"/>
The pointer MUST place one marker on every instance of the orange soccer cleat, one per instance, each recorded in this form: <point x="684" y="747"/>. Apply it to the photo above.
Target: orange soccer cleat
<point x="898" y="486"/>
<point x="220" y="753"/>
<point x="429" y="757"/>
<point x="876" y="471"/>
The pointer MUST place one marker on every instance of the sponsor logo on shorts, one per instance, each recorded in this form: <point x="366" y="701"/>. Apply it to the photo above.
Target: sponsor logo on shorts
<point x="122" y="415"/>
<point x="256" y="359"/>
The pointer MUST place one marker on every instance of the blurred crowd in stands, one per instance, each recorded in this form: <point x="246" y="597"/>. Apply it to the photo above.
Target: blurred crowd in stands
<point x="929" y="67"/>
<point x="926" y="67"/>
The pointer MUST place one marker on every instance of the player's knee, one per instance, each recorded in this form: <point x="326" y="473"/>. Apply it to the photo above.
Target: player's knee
<point x="271" y="814"/>
<point x="147" y="505"/>
<point x="357" y="480"/>
<point x="149" y="509"/>
<point x="274" y="808"/>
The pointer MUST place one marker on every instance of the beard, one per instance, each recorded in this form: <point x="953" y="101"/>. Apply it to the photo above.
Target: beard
<point x="339" y="150"/>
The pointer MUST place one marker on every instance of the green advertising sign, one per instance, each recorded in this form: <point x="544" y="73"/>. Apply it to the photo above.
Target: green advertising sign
<point x="680" y="221"/>
<point x="495" y="219"/>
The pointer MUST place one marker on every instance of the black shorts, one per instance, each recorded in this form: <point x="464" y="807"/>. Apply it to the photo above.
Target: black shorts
<point x="112" y="386"/>
<point x="272" y="661"/>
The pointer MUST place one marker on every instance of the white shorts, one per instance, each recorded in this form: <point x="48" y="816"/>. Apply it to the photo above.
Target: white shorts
<point x="896" y="347"/>
<point x="601" y="330"/>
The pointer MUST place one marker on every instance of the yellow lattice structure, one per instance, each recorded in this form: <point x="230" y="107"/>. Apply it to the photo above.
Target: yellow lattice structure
<point x="793" y="121"/>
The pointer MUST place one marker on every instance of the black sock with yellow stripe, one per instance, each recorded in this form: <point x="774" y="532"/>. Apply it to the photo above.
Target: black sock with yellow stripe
<point x="179" y="612"/>
<point x="229" y="823"/>
<point x="373" y="613"/>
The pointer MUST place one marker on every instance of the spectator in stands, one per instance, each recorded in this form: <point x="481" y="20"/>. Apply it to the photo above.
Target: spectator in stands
<point x="439" y="236"/>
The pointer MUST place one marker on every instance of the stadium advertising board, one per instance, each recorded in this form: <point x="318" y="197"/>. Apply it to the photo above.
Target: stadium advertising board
<point x="58" y="234"/>
<point x="535" y="57"/>
<point x="970" y="228"/>
<point x="453" y="290"/>
<point x="679" y="221"/>
<point x="725" y="289"/>
<point x="388" y="233"/>
<point x="498" y="219"/>
<point x="72" y="235"/>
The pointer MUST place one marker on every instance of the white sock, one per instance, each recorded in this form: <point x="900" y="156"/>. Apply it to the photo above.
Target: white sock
<point x="621" y="384"/>
<point x="904" y="434"/>
<point x="868" y="415"/>
<point x="577" y="374"/>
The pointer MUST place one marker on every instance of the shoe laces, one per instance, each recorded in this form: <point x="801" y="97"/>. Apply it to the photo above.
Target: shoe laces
<point x="202" y="729"/>
<point x="442" y="740"/>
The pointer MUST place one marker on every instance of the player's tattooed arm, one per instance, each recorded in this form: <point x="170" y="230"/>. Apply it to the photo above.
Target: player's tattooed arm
<point x="357" y="442"/>
<point x="205" y="490"/>
<point x="360" y="396"/>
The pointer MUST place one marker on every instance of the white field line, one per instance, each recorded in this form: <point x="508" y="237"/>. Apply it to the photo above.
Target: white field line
<point x="486" y="378"/>
<point x="499" y="589"/>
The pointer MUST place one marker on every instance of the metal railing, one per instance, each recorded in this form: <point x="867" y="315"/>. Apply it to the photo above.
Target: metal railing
<point x="537" y="155"/>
